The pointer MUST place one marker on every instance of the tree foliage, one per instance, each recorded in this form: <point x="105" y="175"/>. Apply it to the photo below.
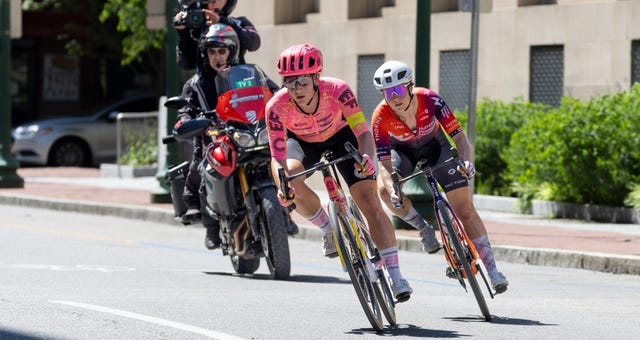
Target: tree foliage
<point x="107" y="29"/>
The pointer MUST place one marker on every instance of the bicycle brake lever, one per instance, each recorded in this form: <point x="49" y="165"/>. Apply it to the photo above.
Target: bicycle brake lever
<point x="284" y="187"/>
<point x="396" y="188"/>
<point x="354" y="152"/>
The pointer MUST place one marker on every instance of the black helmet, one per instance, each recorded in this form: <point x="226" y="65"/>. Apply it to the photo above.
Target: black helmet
<point x="221" y="35"/>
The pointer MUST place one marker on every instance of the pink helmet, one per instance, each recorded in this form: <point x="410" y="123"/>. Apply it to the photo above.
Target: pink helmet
<point x="300" y="59"/>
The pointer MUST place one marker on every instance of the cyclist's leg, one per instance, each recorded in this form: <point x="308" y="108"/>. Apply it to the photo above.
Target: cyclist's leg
<point x="306" y="200"/>
<point x="382" y="232"/>
<point x="405" y="165"/>
<point x="462" y="205"/>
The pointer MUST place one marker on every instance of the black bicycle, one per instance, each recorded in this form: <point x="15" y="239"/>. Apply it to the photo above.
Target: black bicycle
<point x="460" y="253"/>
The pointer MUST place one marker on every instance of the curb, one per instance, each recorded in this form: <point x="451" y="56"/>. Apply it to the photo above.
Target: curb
<point x="602" y="262"/>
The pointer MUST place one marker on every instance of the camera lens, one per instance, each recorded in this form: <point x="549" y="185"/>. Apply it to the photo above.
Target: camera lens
<point x="194" y="19"/>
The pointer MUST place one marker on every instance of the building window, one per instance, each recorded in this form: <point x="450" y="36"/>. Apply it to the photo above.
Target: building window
<point x="635" y="61"/>
<point x="360" y="9"/>
<point x="445" y="6"/>
<point x="522" y="3"/>
<point x="294" y="11"/>
<point x="546" y="74"/>
<point x="455" y="78"/>
<point x="368" y="96"/>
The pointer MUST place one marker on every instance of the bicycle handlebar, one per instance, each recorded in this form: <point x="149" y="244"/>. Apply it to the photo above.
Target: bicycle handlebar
<point x="284" y="179"/>
<point x="424" y="169"/>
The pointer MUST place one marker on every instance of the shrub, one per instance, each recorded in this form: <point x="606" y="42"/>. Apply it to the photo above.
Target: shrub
<point x="141" y="144"/>
<point x="495" y="123"/>
<point x="580" y="152"/>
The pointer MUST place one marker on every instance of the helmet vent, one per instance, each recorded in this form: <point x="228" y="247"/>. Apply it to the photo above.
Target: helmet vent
<point x="401" y="74"/>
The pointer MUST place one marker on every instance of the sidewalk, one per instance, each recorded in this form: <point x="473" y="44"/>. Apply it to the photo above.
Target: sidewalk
<point x="515" y="238"/>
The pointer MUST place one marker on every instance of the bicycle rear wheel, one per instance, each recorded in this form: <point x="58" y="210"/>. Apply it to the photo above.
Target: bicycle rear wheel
<point x="356" y="267"/>
<point x="381" y="286"/>
<point x="463" y="256"/>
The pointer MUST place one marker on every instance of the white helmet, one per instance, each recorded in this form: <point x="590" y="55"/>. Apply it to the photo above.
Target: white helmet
<point x="392" y="73"/>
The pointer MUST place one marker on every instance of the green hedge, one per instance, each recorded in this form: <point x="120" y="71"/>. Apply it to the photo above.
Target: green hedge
<point x="495" y="123"/>
<point x="581" y="152"/>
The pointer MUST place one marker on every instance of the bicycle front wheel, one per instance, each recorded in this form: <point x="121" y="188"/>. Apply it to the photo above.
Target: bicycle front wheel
<point x="356" y="267"/>
<point x="463" y="256"/>
<point x="381" y="286"/>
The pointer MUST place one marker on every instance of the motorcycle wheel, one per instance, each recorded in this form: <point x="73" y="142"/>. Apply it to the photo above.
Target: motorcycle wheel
<point x="273" y="229"/>
<point x="244" y="266"/>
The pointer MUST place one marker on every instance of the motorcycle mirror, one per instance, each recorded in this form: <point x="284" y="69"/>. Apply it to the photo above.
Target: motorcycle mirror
<point x="177" y="102"/>
<point x="191" y="128"/>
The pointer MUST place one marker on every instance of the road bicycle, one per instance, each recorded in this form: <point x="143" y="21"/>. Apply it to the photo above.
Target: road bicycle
<point x="459" y="251"/>
<point x="357" y="252"/>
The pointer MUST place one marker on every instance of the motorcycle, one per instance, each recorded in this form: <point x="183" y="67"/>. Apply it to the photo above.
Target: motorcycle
<point x="241" y="193"/>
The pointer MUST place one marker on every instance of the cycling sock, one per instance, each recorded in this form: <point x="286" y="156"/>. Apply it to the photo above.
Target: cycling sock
<point x="486" y="254"/>
<point x="321" y="220"/>
<point x="390" y="259"/>
<point x="414" y="219"/>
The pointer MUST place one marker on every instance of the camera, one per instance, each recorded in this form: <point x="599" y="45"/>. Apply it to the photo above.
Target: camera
<point x="194" y="17"/>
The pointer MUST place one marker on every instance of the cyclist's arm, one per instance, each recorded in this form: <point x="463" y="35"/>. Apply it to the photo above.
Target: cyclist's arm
<point x="463" y="146"/>
<point x="384" y="172"/>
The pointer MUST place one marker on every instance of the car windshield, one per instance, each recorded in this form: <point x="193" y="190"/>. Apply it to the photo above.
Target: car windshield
<point x="140" y="104"/>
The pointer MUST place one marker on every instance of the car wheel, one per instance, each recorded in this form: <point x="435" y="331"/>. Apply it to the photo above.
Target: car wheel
<point x="69" y="152"/>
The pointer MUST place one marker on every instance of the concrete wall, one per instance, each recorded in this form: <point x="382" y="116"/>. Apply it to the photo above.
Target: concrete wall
<point x="596" y="35"/>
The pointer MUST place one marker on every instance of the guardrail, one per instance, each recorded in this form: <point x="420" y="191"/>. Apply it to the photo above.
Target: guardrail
<point x="119" y="118"/>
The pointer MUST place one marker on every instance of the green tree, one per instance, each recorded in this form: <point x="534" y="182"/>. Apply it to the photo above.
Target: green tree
<point x="106" y="29"/>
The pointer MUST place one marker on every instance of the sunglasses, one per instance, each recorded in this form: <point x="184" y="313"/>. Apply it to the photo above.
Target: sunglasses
<point x="292" y="82"/>
<point x="217" y="51"/>
<point x="398" y="91"/>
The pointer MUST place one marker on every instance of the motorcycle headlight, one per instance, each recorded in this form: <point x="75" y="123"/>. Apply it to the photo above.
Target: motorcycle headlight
<point x="244" y="140"/>
<point x="263" y="137"/>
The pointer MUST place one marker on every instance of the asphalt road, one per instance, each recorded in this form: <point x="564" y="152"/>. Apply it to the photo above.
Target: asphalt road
<point x="75" y="276"/>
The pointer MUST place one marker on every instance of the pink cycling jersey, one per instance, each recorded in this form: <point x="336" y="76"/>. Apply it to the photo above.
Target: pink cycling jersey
<point x="389" y="131"/>
<point x="338" y="108"/>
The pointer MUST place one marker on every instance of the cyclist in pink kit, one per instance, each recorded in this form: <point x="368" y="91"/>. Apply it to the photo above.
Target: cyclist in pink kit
<point x="310" y="115"/>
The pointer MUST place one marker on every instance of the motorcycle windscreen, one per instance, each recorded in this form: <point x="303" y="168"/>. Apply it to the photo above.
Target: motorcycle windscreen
<point x="243" y="94"/>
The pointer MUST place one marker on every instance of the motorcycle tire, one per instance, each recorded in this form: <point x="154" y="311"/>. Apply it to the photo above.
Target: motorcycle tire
<point x="274" y="237"/>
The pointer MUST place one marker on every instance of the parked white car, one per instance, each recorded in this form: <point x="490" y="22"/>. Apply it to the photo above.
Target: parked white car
<point x="76" y="141"/>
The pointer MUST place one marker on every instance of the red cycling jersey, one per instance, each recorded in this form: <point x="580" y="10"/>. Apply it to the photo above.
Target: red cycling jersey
<point x="389" y="131"/>
<point x="338" y="108"/>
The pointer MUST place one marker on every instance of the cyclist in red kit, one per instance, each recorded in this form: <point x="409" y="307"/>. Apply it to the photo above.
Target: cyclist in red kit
<point x="413" y="123"/>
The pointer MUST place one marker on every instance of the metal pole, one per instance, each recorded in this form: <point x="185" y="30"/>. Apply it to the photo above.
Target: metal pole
<point x="162" y="194"/>
<point x="471" y="129"/>
<point x="423" y="42"/>
<point x="8" y="176"/>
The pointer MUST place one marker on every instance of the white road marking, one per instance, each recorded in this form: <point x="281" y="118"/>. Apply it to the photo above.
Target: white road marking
<point x="158" y="321"/>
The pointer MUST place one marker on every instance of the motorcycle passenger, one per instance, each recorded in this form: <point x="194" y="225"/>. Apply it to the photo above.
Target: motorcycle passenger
<point x="216" y="11"/>
<point x="312" y="114"/>
<point x="219" y="45"/>
<point x="410" y="124"/>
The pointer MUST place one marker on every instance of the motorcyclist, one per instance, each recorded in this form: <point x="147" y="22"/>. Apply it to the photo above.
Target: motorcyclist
<point x="220" y="46"/>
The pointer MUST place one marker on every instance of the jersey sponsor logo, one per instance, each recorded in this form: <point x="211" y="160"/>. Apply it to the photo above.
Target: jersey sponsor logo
<point x="348" y="99"/>
<point x="274" y="124"/>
